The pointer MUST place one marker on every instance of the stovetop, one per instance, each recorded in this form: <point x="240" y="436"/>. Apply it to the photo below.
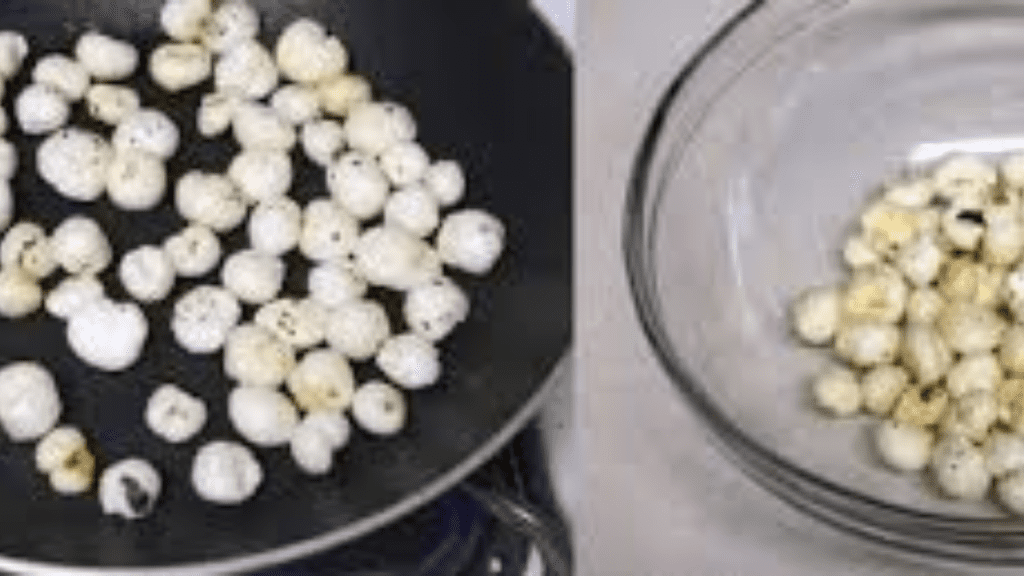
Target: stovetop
<point x="459" y="533"/>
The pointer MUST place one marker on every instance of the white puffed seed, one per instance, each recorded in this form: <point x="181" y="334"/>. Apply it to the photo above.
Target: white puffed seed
<point x="816" y="314"/>
<point x="41" y="108"/>
<point x="264" y="417"/>
<point x="261" y="175"/>
<point x="136" y="180"/>
<point x="1012" y="170"/>
<point x="106" y="58"/>
<point x="379" y="408"/>
<point x="903" y="447"/>
<point x="29" y="401"/>
<point x="329" y="232"/>
<point x="924" y="306"/>
<point x="108" y="335"/>
<point x="877" y="294"/>
<point x="334" y="283"/>
<point x="837" y="391"/>
<point x="306" y="54"/>
<point x="916" y="194"/>
<point x="410" y="361"/>
<point x="1004" y="453"/>
<point x="971" y="415"/>
<point x="233" y="22"/>
<point x="25" y="246"/>
<point x="925" y="353"/>
<point x="296" y="104"/>
<point x="964" y="178"/>
<point x="129" y="488"/>
<point x="434" y="309"/>
<point x="445" y="180"/>
<point x="357" y="328"/>
<point x="471" y="240"/>
<point x="80" y="246"/>
<point x="413" y="209"/>
<point x="75" y="163"/>
<point x="1010" y="489"/>
<point x="177" y="67"/>
<point x="858" y="253"/>
<point x="174" y="415"/>
<point x="969" y="328"/>
<point x="404" y="163"/>
<point x="72" y="294"/>
<point x="358" y="184"/>
<point x="1011" y="349"/>
<point x="254" y="277"/>
<point x="322" y="141"/>
<point x="275" y="226"/>
<point x="194" y="251"/>
<point x="183" y="19"/>
<point x="13" y="50"/>
<point x="920" y="261"/>
<point x="322" y="381"/>
<point x="8" y="162"/>
<point x="215" y="113"/>
<point x="333" y="425"/>
<point x="65" y="74"/>
<point x="64" y="457"/>
<point x="315" y="440"/>
<point x="247" y="69"/>
<point x="311" y="451"/>
<point x="210" y="200"/>
<point x="149" y="130"/>
<point x="225" y="472"/>
<point x="964" y="280"/>
<point x="961" y="226"/>
<point x="866" y="344"/>
<point x="20" y="295"/>
<point x="203" y="317"/>
<point x="253" y="356"/>
<point x="975" y="372"/>
<point x="959" y="468"/>
<point x="882" y="386"/>
<point x="147" y="273"/>
<point x="299" y="323"/>
<point x="1003" y="241"/>
<point x="373" y="127"/>
<point x="340" y="94"/>
<point x="887" y="228"/>
<point x="112" y="104"/>
<point x="1013" y="292"/>
<point x="391" y="257"/>
<point x="258" y="126"/>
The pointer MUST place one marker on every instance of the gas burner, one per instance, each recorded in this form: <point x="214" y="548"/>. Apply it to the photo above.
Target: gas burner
<point x="484" y="527"/>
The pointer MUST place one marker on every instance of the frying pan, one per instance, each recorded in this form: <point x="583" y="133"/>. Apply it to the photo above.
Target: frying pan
<point x="490" y="88"/>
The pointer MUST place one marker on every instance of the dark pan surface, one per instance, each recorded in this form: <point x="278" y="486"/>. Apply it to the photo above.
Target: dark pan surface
<point x="490" y="88"/>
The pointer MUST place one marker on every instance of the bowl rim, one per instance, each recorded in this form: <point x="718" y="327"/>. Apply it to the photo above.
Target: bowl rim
<point x="996" y="542"/>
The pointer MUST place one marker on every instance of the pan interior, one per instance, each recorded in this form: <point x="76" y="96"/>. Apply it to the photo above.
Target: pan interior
<point x="489" y="88"/>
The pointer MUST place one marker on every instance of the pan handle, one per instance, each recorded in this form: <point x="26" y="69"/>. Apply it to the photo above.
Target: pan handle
<point x="546" y="531"/>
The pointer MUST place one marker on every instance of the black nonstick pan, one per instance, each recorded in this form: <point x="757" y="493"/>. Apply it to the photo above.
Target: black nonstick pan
<point x="489" y="87"/>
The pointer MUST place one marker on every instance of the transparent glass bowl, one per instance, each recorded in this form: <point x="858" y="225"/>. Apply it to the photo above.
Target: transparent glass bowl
<point x="756" y="163"/>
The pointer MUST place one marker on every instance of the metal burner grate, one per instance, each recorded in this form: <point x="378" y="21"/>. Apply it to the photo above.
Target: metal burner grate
<point x="475" y="530"/>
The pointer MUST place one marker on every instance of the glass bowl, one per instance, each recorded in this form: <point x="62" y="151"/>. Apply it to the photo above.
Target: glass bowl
<point x="758" y="158"/>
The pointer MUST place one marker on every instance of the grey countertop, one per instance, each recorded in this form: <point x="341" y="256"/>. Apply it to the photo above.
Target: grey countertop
<point x="656" y="499"/>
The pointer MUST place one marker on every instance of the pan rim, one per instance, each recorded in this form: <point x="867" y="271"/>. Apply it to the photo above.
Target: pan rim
<point x="305" y="548"/>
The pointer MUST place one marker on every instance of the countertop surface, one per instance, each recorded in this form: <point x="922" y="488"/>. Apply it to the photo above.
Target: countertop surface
<point x="657" y="499"/>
